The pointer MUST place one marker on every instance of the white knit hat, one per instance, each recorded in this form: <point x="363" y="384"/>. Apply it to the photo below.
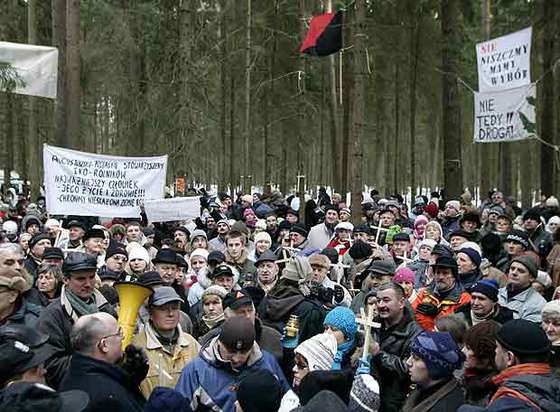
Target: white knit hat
<point x="135" y="251"/>
<point x="262" y="236"/>
<point x="203" y="253"/>
<point x="318" y="351"/>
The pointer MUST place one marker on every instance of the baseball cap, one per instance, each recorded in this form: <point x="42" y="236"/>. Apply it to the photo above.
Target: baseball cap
<point x="238" y="334"/>
<point x="237" y="298"/>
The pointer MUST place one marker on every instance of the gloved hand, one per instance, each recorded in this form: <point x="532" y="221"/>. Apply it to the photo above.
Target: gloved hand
<point x="427" y="309"/>
<point x="338" y="294"/>
<point x="135" y="363"/>
<point x="289" y="342"/>
<point x="364" y="367"/>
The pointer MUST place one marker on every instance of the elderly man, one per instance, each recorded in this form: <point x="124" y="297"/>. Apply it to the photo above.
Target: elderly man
<point x="518" y="295"/>
<point x="219" y="242"/>
<point x="444" y="296"/>
<point x="267" y="271"/>
<point x="37" y="246"/>
<point x="76" y="232"/>
<point x="14" y="308"/>
<point x="389" y="354"/>
<point x="96" y="340"/>
<point x="93" y="242"/>
<point x="320" y="264"/>
<point x="206" y="382"/>
<point x="240" y="303"/>
<point x="116" y="257"/>
<point x="78" y="298"/>
<point x="53" y="256"/>
<point x="168" y="348"/>
<point x="167" y="265"/>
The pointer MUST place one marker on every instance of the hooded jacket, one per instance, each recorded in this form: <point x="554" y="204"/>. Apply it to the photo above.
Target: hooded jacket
<point x="210" y="383"/>
<point x="525" y="305"/>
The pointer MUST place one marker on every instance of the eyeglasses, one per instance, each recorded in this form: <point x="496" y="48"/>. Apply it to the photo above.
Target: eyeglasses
<point x="118" y="333"/>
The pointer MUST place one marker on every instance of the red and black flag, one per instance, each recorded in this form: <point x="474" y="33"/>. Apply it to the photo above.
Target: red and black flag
<point x="324" y="36"/>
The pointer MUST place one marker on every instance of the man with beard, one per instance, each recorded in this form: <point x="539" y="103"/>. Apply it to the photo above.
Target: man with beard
<point x="444" y="296"/>
<point x="218" y="243"/>
<point x="181" y="236"/>
<point x="321" y="234"/>
<point x="389" y="355"/>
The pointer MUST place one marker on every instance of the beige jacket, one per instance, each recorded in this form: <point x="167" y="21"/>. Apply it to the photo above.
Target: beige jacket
<point x="165" y="367"/>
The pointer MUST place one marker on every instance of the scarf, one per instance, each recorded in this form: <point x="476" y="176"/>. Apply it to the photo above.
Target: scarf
<point x="477" y="319"/>
<point x="81" y="307"/>
<point x="211" y="322"/>
<point x="341" y="351"/>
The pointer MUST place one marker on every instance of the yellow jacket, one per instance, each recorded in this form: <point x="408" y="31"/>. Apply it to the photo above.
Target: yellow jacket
<point x="165" y="367"/>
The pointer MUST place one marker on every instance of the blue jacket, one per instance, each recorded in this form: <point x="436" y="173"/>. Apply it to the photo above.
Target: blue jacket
<point x="208" y="383"/>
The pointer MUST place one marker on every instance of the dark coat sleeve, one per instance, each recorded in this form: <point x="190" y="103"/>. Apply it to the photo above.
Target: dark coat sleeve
<point x="54" y="323"/>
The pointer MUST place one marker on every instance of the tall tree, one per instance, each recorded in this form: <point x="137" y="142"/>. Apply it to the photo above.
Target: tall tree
<point x="58" y="13"/>
<point x="73" y="86"/>
<point x="451" y="105"/>
<point x="357" y="98"/>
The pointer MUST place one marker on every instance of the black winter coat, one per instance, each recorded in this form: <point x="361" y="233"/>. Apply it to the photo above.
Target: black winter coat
<point x="443" y="398"/>
<point x="57" y="324"/>
<point x="108" y="386"/>
<point x="389" y="365"/>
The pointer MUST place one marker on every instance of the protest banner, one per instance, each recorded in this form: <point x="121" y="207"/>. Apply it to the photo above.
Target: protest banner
<point x="504" y="62"/>
<point x="36" y="67"/>
<point x="168" y="210"/>
<point x="87" y="184"/>
<point x="505" y="116"/>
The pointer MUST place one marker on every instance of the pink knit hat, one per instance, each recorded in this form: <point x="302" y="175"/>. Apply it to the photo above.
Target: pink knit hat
<point x="404" y="274"/>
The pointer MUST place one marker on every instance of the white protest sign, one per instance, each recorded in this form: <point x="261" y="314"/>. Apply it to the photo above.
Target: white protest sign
<point x="87" y="184"/>
<point x="504" y="62"/>
<point x="168" y="210"/>
<point x="36" y="66"/>
<point x="505" y="116"/>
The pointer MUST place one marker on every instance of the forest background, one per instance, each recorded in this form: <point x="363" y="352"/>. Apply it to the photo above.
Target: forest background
<point x="221" y="87"/>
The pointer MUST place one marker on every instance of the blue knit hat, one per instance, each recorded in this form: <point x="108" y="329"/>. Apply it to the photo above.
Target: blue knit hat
<point x="166" y="399"/>
<point x="439" y="352"/>
<point x="488" y="287"/>
<point x="473" y="255"/>
<point x="344" y="320"/>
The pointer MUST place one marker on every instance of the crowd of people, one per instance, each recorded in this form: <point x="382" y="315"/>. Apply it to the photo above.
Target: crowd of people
<point x="273" y="303"/>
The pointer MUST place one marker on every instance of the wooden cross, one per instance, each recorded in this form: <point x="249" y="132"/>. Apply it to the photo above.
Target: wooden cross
<point x="367" y="323"/>
<point x="404" y="258"/>
<point x="299" y="185"/>
<point x="379" y="229"/>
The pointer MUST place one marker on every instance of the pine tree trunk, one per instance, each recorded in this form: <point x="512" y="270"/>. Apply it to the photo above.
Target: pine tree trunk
<point x="547" y="90"/>
<point x="357" y="100"/>
<point x="414" y="55"/>
<point x="58" y="11"/>
<point x="247" y="129"/>
<point x="33" y="146"/>
<point x="73" y="87"/>
<point x="451" y="116"/>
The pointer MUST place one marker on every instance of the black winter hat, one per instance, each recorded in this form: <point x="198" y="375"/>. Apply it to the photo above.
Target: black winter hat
<point x="297" y="228"/>
<point x="442" y="250"/>
<point x="401" y="236"/>
<point x="238" y="334"/>
<point x="27" y="396"/>
<point x="77" y="262"/>
<point x="216" y="256"/>
<point x="53" y="253"/>
<point x="150" y="278"/>
<point x="518" y="236"/>
<point x="363" y="228"/>
<point x="471" y="216"/>
<point x="37" y="238"/>
<point x="94" y="233"/>
<point x="166" y="256"/>
<point x="331" y="253"/>
<point x="360" y="250"/>
<point x="77" y="223"/>
<point x="339" y="382"/>
<point x="446" y="262"/>
<point x="259" y="391"/>
<point x="115" y="248"/>
<point x="532" y="214"/>
<point x="523" y="337"/>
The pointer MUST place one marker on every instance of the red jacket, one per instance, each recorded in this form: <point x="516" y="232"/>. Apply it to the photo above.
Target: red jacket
<point x="446" y="306"/>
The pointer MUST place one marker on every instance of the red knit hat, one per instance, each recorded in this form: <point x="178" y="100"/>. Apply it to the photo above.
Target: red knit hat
<point x="432" y="210"/>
